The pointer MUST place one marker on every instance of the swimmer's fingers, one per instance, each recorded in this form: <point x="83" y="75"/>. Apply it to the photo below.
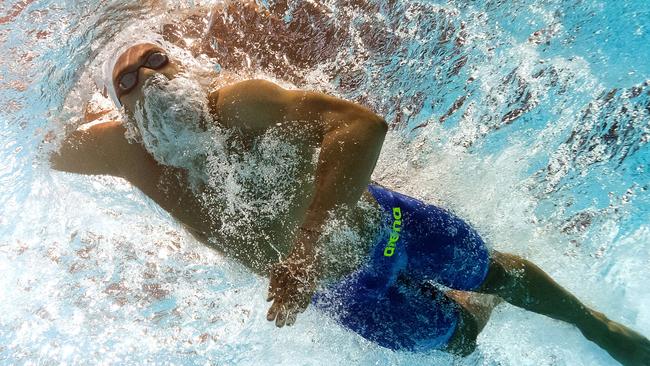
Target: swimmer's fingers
<point x="286" y="309"/>
<point x="286" y="314"/>
<point x="275" y="282"/>
<point x="274" y="310"/>
<point x="291" y="286"/>
<point x="303" y="304"/>
<point x="280" y="312"/>
<point x="292" y="314"/>
<point x="282" y="316"/>
<point x="291" y="318"/>
<point x="297" y="306"/>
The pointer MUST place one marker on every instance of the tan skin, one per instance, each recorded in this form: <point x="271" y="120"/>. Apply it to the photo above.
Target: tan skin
<point x="341" y="129"/>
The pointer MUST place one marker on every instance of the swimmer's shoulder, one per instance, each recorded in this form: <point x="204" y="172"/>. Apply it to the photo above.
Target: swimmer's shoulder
<point x="254" y="105"/>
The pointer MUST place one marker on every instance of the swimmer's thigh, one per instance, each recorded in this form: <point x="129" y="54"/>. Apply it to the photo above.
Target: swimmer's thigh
<point x="441" y="247"/>
<point x="395" y="316"/>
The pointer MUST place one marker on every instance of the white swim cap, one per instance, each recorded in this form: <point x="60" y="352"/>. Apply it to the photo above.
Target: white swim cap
<point x="105" y="83"/>
<point x="104" y="76"/>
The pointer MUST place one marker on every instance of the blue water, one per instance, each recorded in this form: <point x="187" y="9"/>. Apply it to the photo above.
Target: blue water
<point x="530" y="120"/>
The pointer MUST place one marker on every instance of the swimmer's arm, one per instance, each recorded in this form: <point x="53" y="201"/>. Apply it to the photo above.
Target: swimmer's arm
<point x="350" y="138"/>
<point x="87" y="150"/>
<point x="349" y="135"/>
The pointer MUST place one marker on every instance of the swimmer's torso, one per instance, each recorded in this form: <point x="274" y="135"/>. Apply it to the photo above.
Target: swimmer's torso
<point x="254" y="202"/>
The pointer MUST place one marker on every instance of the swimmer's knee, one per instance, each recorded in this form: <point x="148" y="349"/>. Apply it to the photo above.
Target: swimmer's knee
<point x="505" y="260"/>
<point x="501" y="264"/>
<point x="506" y="271"/>
<point x="463" y="341"/>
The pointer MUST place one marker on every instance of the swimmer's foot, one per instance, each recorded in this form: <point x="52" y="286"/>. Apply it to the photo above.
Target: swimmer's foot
<point x="622" y="343"/>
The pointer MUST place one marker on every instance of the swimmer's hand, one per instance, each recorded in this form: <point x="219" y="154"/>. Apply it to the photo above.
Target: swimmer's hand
<point x="292" y="284"/>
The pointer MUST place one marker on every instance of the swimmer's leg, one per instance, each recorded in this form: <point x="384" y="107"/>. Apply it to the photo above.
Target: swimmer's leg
<point x="523" y="284"/>
<point x="474" y="312"/>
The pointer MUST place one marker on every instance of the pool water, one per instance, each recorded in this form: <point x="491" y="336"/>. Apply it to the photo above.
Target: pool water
<point x="529" y="120"/>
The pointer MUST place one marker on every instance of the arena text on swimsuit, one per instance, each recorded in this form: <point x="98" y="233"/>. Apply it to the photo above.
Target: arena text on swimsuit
<point x="394" y="235"/>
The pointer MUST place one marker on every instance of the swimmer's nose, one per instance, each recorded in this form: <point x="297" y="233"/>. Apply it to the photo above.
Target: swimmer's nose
<point x="145" y="74"/>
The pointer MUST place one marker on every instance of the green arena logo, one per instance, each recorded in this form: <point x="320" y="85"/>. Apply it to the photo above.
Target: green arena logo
<point x="394" y="235"/>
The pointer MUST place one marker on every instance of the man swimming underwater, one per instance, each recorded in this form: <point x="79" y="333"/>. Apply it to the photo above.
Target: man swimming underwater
<point x="390" y="298"/>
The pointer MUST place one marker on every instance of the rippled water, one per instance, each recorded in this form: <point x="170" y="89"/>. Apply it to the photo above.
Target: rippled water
<point x="531" y="119"/>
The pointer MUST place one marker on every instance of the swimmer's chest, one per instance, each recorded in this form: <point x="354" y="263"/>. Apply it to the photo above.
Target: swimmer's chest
<point x="270" y="177"/>
<point x="259" y="195"/>
<point x="274" y="169"/>
<point x="256" y="224"/>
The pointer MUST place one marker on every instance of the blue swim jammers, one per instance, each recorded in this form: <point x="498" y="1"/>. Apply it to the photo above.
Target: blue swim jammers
<point x="422" y="243"/>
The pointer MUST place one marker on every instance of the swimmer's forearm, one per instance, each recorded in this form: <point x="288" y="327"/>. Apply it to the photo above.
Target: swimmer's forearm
<point x="84" y="151"/>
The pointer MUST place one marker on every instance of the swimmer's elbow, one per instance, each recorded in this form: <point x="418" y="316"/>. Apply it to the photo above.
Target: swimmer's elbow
<point x="57" y="162"/>
<point x="363" y="120"/>
<point x="337" y="113"/>
<point x="378" y="124"/>
<point x="70" y="160"/>
<point x="67" y="158"/>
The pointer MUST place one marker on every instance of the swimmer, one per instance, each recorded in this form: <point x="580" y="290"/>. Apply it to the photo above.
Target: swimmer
<point x="393" y="297"/>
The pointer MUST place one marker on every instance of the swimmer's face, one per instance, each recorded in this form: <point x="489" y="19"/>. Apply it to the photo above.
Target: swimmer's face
<point x="135" y="66"/>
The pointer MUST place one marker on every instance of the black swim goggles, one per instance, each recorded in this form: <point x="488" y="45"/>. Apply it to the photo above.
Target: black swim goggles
<point x="127" y="81"/>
